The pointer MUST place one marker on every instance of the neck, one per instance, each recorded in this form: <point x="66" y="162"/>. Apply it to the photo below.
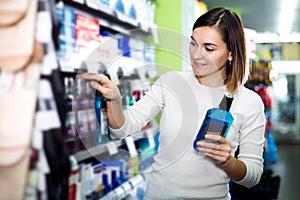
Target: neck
<point x="210" y="81"/>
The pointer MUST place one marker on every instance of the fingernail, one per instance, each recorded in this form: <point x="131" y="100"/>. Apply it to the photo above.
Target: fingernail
<point x="93" y="83"/>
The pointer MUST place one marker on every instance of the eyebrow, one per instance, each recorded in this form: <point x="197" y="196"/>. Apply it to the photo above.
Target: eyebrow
<point x="193" y="38"/>
<point x="206" y="44"/>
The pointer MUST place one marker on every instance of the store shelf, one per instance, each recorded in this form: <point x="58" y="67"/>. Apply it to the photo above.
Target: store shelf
<point x="112" y="19"/>
<point x="97" y="150"/>
<point x="73" y="61"/>
<point x="126" y="188"/>
<point x="104" y="148"/>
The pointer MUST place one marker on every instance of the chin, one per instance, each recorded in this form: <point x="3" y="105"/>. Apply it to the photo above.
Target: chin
<point x="197" y="71"/>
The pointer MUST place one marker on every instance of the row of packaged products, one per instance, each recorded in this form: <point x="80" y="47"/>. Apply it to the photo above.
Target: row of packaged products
<point x="82" y="38"/>
<point x="141" y="11"/>
<point x="120" y="177"/>
<point x="86" y="122"/>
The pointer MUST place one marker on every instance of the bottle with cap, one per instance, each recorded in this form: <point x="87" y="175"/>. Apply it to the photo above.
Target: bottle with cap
<point x="216" y="121"/>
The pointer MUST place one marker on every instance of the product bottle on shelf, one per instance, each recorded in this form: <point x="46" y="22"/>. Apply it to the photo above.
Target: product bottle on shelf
<point x="68" y="97"/>
<point x="104" y="121"/>
<point x="70" y="123"/>
<point x="82" y="115"/>
<point x="92" y="123"/>
<point x="98" y="101"/>
<point x="107" y="186"/>
<point x="101" y="115"/>
<point x="216" y="121"/>
<point x="131" y="99"/>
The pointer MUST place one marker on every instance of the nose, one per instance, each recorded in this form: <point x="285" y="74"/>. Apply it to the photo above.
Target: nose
<point x="197" y="52"/>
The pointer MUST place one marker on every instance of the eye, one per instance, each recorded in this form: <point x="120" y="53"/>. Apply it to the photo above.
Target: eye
<point x="209" y="49"/>
<point x="193" y="43"/>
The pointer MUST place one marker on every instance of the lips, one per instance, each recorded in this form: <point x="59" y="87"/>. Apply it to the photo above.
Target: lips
<point x="199" y="65"/>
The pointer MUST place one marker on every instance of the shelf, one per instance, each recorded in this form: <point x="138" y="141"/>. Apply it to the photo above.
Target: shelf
<point x="104" y="148"/>
<point x="112" y="19"/>
<point x="97" y="150"/>
<point x="109" y="19"/>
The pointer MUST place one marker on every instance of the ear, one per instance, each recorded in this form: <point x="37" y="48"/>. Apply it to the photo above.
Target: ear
<point x="229" y="56"/>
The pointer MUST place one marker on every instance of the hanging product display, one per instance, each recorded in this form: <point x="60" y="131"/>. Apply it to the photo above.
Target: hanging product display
<point x="17" y="24"/>
<point x="17" y="107"/>
<point x="19" y="66"/>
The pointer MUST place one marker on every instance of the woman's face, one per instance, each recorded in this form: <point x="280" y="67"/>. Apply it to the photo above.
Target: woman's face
<point x="208" y="53"/>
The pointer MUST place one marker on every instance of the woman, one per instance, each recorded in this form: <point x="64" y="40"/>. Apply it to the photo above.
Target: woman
<point x="218" y="59"/>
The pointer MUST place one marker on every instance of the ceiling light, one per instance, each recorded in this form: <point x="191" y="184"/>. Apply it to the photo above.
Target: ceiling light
<point x="286" y="16"/>
<point x="276" y="38"/>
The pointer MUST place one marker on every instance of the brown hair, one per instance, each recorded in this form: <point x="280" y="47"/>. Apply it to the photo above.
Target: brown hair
<point x="230" y="26"/>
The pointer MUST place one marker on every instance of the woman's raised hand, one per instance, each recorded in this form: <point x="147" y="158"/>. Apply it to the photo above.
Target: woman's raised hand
<point x="101" y="83"/>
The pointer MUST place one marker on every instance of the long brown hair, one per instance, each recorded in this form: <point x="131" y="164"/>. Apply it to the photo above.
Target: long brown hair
<point x="230" y="26"/>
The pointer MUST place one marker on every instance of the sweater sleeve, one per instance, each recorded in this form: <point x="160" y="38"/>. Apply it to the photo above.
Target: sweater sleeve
<point x="143" y="111"/>
<point x="252" y="141"/>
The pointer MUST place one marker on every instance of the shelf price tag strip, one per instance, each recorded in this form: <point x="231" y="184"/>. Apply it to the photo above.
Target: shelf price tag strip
<point x="111" y="148"/>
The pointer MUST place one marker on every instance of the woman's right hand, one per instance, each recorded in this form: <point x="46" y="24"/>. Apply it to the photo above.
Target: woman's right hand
<point x="101" y="83"/>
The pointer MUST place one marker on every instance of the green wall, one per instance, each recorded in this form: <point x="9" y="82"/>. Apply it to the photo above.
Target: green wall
<point x="168" y="18"/>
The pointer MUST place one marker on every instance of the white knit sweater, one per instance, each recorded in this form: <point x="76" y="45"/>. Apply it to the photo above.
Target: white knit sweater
<point x="178" y="171"/>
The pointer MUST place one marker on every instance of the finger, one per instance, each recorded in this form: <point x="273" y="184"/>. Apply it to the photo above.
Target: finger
<point x="85" y="75"/>
<point x="103" y="90"/>
<point x="101" y="78"/>
<point x="216" y="138"/>
<point x="214" y="146"/>
<point x="219" y="156"/>
<point x="206" y="144"/>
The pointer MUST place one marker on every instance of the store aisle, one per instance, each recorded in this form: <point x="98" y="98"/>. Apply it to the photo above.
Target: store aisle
<point x="288" y="169"/>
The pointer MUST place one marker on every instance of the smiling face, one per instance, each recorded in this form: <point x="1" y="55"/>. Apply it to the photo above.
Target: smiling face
<point x="209" y="54"/>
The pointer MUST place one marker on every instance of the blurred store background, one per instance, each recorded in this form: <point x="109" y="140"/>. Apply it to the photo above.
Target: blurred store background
<point x="273" y="29"/>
